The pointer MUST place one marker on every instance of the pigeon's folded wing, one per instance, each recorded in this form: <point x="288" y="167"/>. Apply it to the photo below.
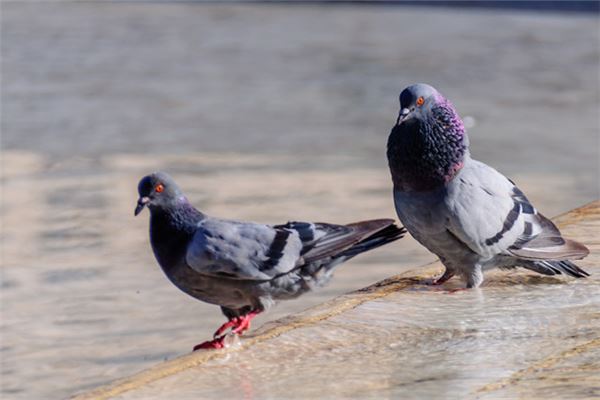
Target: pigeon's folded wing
<point x="492" y="216"/>
<point x="251" y="251"/>
<point x="246" y="251"/>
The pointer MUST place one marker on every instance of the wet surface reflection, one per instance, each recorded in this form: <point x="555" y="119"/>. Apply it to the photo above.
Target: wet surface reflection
<point x="83" y="297"/>
<point x="421" y="344"/>
<point x="82" y="294"/>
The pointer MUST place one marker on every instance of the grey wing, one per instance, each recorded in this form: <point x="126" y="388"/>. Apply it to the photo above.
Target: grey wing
<point x="492" y="216"/>
<point x="246" y="251"/>
<point x="547" y="243"/>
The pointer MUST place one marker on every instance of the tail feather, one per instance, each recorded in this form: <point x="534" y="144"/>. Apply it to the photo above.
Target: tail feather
<point x="381" y="232"/>
<point x="557" y="268"/>
<point x="552" y="248"/>
<point x="380" y="238"/>
<point x="341" y="238"/>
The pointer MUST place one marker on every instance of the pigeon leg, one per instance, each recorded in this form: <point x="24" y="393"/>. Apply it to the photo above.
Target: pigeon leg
<point x="447" y="275"/>
<point x="239" y="325"/>
<point x="217" y="343"/>
<point x="232" y="323"/>
<point x="244" y="322"/>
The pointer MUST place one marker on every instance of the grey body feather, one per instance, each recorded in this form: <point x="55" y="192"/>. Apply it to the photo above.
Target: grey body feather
<point x="481" y="220"/>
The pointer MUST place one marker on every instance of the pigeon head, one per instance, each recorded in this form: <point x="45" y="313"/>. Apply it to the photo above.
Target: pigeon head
<point x="416" y="102"/>
<point x="427" y="146"/>
<point x="158" y="190"/>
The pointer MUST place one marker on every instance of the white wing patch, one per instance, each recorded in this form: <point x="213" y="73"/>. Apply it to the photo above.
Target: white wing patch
<point x="487" y="211"/>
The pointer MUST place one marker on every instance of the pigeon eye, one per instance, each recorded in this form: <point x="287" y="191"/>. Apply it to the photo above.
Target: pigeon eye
<point x="420" y="101"/>
<point x="159" y="188"/>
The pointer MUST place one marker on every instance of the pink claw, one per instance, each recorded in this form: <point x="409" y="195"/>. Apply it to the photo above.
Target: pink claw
<point x="244" y="322"/>
<point x="239" y="325"/>
<point x="232" y="323"/>
<point x="217" y="343"/>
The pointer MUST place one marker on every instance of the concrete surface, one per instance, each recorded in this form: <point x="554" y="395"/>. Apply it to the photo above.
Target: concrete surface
<point x="519" y="336"/>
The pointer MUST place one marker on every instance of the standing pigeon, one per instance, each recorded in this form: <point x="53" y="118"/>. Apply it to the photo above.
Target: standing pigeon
<point x="242" y="266"/>
<point x="464" y="211"/>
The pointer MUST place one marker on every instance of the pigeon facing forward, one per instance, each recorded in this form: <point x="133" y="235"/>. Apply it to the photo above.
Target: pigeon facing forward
<point x="242" y="266"/>
<point x="463" y="210"/>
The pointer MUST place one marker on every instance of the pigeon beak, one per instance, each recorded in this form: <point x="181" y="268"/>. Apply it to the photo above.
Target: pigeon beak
<point x="141" y="204"/>
<point x="403" y="114"/>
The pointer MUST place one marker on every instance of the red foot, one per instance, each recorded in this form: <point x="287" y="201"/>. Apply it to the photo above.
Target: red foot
<point x="244" y="322"/>
<point x="217" y="343"/>
<point x="234" y="322"/>
<point x="239" y="325"/>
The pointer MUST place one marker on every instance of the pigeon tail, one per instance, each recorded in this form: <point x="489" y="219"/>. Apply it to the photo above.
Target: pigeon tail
<point x="341" y="238"/>
<point x="379" y="238"/>
<point x="549" y="245"/>
<point x="550" y="248"/>
<point x="368" y="235"/>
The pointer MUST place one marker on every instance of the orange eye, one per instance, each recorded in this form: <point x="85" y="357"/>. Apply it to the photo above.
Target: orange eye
<point x="159" y="188"/>
<point x="420" y="101"/>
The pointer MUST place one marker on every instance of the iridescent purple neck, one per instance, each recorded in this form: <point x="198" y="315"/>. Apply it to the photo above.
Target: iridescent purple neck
<point x="425" y="153"/>
<point x="444" y="112"/>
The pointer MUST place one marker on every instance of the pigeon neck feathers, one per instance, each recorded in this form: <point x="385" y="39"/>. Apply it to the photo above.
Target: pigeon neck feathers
<point x="171" y="229"/>
<point x="427" y="152"/>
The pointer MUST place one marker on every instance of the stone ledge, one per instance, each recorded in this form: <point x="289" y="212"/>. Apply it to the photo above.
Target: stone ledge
<point x="581" y="224"/>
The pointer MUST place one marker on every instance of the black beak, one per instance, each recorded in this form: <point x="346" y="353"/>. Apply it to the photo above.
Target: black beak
<point x="403" y="114"/>
<point x="142" y="201"/>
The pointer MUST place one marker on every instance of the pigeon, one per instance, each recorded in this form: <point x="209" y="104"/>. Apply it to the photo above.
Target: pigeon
<point x="467" y="213"/>
<point x="245" y="267"/>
